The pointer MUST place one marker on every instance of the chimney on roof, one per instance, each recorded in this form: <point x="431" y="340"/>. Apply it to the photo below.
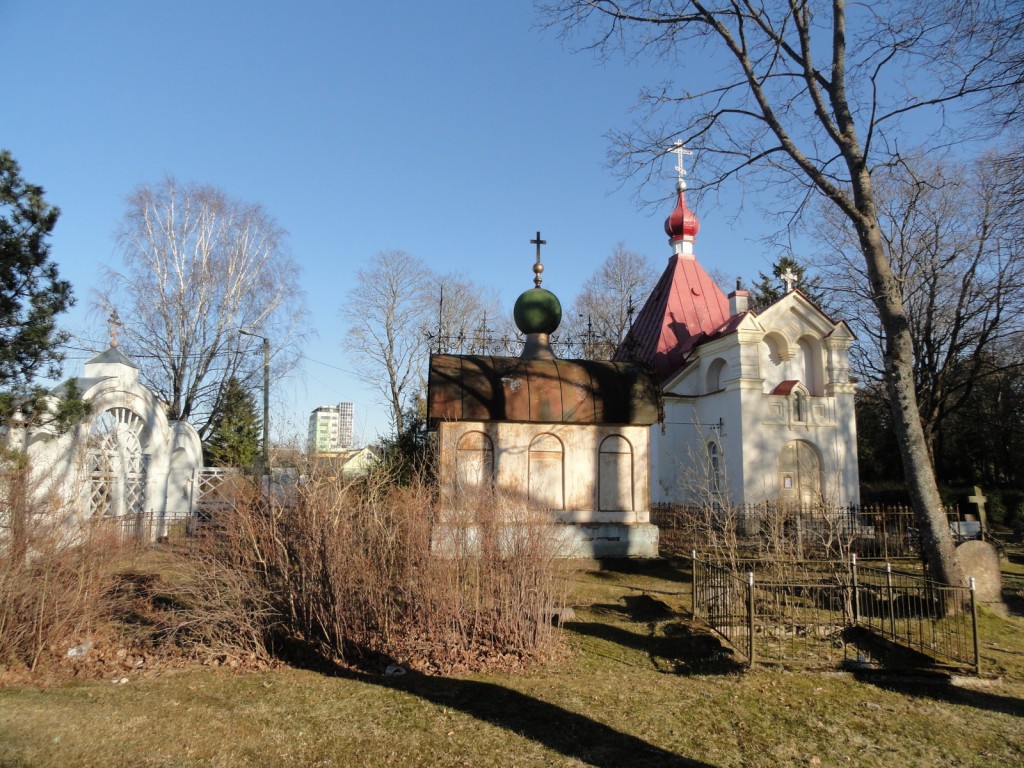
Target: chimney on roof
<point x="739" y="302"/>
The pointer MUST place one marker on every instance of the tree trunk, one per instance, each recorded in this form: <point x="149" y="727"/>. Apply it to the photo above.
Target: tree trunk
<point x="936" y="538"/>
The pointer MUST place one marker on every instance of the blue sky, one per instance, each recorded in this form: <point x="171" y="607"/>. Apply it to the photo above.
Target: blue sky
<point x="451" y="130"/>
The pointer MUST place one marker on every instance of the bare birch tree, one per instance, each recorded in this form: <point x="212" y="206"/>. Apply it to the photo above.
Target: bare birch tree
<point x="198" y="267"/>
<point x="387" y="315"/>
<point x="399" y="312"/>
<point x="467" y="317"/>
<point x="809" y="99"/>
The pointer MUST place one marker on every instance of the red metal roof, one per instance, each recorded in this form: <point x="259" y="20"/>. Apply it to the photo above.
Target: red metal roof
<point x="685" y="307"/>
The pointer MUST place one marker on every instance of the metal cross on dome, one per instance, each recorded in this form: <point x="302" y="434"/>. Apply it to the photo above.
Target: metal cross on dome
<point x="538" y="267"/>
<point x="680" y="152"/>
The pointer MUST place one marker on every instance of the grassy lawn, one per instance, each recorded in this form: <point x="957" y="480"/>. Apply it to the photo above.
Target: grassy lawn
<point x="637" y="684"/>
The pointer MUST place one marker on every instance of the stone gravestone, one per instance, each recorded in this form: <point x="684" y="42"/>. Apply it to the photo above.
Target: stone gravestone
<point x="981" y="560"/>
<point x="979" y="499"/>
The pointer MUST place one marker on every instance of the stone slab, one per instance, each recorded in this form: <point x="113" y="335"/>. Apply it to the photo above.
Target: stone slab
<point x="981" y="560"/>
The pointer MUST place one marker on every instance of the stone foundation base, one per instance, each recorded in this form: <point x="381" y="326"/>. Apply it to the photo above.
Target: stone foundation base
<point x="579" y="540"/>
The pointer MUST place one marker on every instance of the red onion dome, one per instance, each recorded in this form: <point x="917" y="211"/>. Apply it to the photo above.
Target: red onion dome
<point x="682" y="223"/>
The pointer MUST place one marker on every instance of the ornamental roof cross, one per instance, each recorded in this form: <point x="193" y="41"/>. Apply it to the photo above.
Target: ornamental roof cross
<point x="114" y="323"/>
<point x="538" y="267"/>
<point x="680" y="152"/>
<point x="789" y="278"/>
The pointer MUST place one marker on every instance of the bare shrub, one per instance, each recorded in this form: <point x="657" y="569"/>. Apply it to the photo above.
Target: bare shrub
<point x="77" y="597"/>
<point x="355" y="569"/>
<point x="51" y="580"/>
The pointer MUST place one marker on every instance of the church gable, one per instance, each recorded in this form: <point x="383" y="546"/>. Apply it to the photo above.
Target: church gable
<point x="795" y="315"/>
<point x="763" y="399"/>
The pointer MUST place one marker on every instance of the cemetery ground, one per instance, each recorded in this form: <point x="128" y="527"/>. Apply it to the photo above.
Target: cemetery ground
<point x="635" y="681"/>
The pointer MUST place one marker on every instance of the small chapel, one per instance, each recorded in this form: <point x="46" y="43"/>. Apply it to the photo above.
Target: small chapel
<point x="567" y="439"/>
<point x="127" y="462"/>
<point x="758" y="406"/>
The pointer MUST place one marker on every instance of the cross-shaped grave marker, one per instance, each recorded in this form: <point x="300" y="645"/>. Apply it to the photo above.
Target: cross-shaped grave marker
<point x="979" y="499"/>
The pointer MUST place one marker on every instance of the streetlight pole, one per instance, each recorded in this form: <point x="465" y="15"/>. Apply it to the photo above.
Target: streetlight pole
<point x="266" y="398"/>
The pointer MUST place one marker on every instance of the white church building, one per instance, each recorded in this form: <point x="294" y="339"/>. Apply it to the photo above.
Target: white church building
<point x="758" y="406"/>
<point x="126" y="461"/>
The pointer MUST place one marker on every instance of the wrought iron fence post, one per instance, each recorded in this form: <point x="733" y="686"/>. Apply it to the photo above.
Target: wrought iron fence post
<point x="974" y="630"/>
<point x="693" y="582"/>
<point x="885" y="536"/>
<point x="750" y="614"/>
<point x="889" y="600"/>
<point x="856" y="590"/>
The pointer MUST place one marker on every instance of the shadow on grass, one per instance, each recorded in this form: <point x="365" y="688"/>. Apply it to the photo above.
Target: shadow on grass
<point x="569" y="733"/>
<point x="638" y="608"/>
<point x="943" y="690"/>
<point x="672" y="569"/>
<point x="689" y="649"/>
<point x="1013" y="593"/>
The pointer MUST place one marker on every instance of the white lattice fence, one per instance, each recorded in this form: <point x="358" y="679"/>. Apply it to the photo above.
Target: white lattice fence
<point x="214" y="491"/>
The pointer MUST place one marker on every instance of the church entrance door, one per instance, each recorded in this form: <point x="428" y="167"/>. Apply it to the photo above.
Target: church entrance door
<point x="799" y="474"/>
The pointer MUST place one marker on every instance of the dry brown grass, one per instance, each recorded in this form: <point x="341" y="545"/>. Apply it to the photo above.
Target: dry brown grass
<point x="642" y="686"/>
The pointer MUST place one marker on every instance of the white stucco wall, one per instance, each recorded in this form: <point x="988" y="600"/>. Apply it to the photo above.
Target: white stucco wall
<point x="516" y="474"/>
<point x="725" y="396"/>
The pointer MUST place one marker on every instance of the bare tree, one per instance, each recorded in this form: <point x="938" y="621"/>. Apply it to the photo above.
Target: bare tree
<point x="388" y="323"/>
<point x="399" y="312"/>
<point x="809" y="100"/>
<point x="467" y="317"/>
<point x="958" y="262"/>
<point x="603" y="309"/>
<point x="198" y="267"/>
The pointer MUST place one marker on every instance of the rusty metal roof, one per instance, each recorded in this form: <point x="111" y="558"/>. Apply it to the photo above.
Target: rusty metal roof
<point x="486" y="388"/>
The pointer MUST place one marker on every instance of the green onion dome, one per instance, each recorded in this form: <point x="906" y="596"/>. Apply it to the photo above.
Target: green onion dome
<point x="537" y="310"/>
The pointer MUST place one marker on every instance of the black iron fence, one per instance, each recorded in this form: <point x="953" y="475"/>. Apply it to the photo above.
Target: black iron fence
<point x="833" y="612"/>
<point x="876" y="530"/>
<point x="925" y="616"/>
<point x="151" y="526"/>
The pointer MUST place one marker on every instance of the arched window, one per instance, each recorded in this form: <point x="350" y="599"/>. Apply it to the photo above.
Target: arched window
<point x="117" y="465"/>
<point x="615" y="475"/>
<point x="775" y="353"/>
<point x="546" y="473"/>
<point x="474" y="465"/>
<point x="716" y="375"/>
<point x="811" y="360"/>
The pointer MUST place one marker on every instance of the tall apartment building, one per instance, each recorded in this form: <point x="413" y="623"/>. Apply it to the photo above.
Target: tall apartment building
<point x="330" y="428"/>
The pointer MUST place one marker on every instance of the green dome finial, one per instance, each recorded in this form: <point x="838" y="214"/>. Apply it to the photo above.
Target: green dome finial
<point x="537" y="310"/>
